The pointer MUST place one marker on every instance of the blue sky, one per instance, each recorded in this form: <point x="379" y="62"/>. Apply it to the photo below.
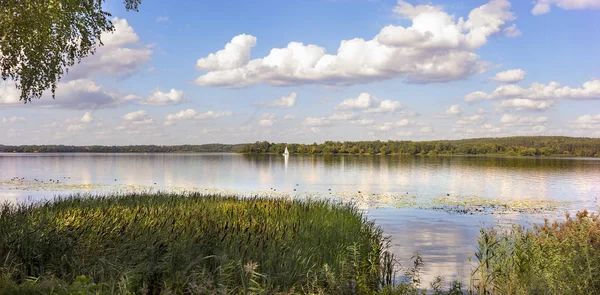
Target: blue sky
<point x="304" y="71"/>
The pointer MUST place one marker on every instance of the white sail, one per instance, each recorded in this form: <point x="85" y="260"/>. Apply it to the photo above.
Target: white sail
<point x="286" y="152"/>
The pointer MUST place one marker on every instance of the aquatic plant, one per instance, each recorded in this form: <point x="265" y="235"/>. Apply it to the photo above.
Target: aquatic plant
<point x="190" y="243"/>
<point x="551" y="258"/>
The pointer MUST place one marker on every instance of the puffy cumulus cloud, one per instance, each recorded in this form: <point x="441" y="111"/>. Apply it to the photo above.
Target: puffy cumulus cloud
<point x="513" y="120"/>
<point x="543" y="6"/>
<point x="317" y="122"/>
<point x="454" y="110"/>
<point x="539" y="129"/>
<point x="526" y="104"/>
<point x="283" y="102"/>
<point x="160" y="98"/>
<point x="370" y="104"/>
<point x="471" y="120"/>
<point x="437" y="47"/>
<point x="510" y="76"/>
<point x="74" y="94"/>
<point x="13" y="119"/>
<point x="236" y="54"/>
<point x="87" y="118"/>
<point x="475" y="96"/>
<point x="383" y="127"/>
<point x="289" y="117"/>
<point x="586" y="122"/>
<point x="182" y="115"/>
<point x="117" y="57"/>
<point x="137" y="117"/>
<point x="538" y="96"/>
<point x="191" y="114"/>
<point x="404" y="123"/>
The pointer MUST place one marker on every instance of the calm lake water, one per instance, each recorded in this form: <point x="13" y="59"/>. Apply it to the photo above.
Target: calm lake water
<point x="444" y="239"/>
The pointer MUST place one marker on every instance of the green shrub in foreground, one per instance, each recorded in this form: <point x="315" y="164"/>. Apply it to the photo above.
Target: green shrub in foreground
<point x="553" y="258"/>
<point x="190" y="243"/>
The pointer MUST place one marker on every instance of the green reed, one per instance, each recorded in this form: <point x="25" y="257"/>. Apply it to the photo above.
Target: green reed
<point x="552" y="258"/>
<point x="190" y="243"/>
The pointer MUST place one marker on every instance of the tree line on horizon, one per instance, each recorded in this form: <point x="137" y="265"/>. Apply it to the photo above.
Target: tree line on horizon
<point x="203" y="148"/>
<point x="511" y="146"/>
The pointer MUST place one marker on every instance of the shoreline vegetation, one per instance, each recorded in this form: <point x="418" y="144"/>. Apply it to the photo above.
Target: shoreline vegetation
<point x="551" y="146"/>
<point x="190" y="243"/>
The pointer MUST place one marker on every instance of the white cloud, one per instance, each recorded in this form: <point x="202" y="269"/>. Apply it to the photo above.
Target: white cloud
<point x="289" y="117"/>
<point x="543" y="6"/>
<point x="191" y="114"/>
<point x="162" y="19"/>
<point x="471" y="120"/>
<point x="137" y="116"/>
<point x="586" y="122"/>
<point x="475" y="96"/>
<point x="160" y="98"/>
<point x="213" y="115"/>
<point x="343" y="117"/>
<point x="116" y="57"/>
<point x="538" y="129"/>
<point x="404" y="133"/>
<point x="526" y="104"/>
<point x="76" y="127"/>
<point x="316" y="122"/>
<point x="370" y="104"/>
<point x="87" y="118"/>
<point x="510" y="76"/>
<point x="404" y="123"/>
<point x="435" y="48"/>
<point x="13" y="119"/>
<point x="182" y="115"/>
<point x="266" y="122"/>
<point x="513" y="120"/>
<point x="454" y="110"/>
<point x="283" y="102"/>
<point x="538" y="96"/>
<point x="383" y="127"/>
<point x="235" y="55"/>
<point x="74" y="94"/>
<point x="512" y="31"/>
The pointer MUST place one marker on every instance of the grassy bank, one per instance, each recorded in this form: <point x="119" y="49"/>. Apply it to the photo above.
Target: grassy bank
<point x="552" y="258"/>
<point x="190" y="243"/>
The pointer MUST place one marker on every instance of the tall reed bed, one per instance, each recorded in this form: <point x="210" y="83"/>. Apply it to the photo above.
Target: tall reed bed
<point x="552" y="258"/>
<point x="167" y="243"/>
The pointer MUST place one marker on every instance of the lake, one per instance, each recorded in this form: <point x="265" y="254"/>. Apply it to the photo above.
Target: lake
<point x="413" y="198"/>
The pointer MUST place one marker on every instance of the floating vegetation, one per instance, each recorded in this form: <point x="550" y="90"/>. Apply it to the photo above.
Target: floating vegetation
<point x="479" y="205"/>
<point x="364" y="200"/>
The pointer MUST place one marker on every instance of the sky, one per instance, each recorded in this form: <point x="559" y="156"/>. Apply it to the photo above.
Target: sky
<point x="195" y="72"/>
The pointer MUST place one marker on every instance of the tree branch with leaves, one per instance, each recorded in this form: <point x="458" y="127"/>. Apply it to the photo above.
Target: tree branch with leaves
<point x="42" y="39"/>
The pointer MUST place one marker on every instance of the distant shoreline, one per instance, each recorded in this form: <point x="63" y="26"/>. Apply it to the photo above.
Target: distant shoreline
<point x="546" y="146"/>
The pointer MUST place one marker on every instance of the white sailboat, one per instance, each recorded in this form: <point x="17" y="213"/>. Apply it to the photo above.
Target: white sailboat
<point x="286" y="153"/>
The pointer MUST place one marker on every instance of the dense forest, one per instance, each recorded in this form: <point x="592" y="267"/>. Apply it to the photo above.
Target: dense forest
<point x="512" y="146"/>
<point x="204" y="148"/>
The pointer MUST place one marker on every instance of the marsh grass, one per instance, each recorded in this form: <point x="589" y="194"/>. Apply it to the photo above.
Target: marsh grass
<point x="168" y="243"/>
<point x="551" y="258"/>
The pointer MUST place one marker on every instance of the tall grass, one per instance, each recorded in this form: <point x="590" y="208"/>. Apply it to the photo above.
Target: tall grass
<point x="552" y="258"/>
<point x="190" y="243"/>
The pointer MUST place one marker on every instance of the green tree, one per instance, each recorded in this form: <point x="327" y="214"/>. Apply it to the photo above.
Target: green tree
<point x="41" y="39"/>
